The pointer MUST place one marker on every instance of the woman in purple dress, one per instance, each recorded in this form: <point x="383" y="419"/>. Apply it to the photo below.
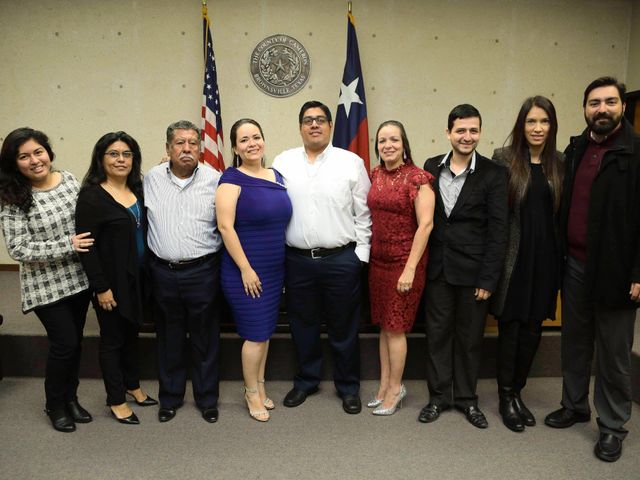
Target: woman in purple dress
<point x="253" y="210"/>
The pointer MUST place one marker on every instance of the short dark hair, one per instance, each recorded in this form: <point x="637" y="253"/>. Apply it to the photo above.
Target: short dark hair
<point x="15" y="189"/>
<point x="314" y="104"/>
<point x="96" y="174"/>
<point x="403" y="135"/>
<point x="233" y="136"/>
<point x="181" y="125"/>
<point x="463" y="111"/>
<point x="605" y="82"/>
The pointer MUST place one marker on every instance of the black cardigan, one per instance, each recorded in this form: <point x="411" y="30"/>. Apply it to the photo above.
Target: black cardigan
<point x="112" y="262"/>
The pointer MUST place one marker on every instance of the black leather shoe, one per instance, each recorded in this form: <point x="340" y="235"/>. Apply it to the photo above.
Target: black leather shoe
<point x="165" y="414"/>
<point x="475" y="416"/>
<point x="210" y="414"/>
<point x="509" y="415"/>
<point x="130" y="420"/>
<point x="61" y="420"/>
<point x="351" y="404"/>
<point x="523" y="412"/>
<point x="297" y="397"/>
<point x="608" y="448"/>
<point x="563" y="418"/>
<point x="147" y="402"/>
<point x="430" y="413"/>
<point x="78" y="413"/>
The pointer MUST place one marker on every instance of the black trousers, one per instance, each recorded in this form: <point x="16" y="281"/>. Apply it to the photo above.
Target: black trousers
<point x="517" y="346"/>
<point x="64" y="322"/>
<point x="118" y="354"/>
<point x="325" y="290"/>
<point x="455" y="323"/>
<point x="583" y="325"/>
<point x="187" y="303"/>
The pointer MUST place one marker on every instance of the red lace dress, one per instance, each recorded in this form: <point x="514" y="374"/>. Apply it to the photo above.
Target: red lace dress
<point x="391" y="201"/>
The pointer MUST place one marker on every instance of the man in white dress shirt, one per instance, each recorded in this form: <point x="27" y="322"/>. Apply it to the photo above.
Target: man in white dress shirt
<point x="184" y="263"/>
<point x="328" y="239"/>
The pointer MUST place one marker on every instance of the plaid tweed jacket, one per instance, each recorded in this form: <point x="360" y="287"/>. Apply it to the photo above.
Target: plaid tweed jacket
<point x="41" y="241"/>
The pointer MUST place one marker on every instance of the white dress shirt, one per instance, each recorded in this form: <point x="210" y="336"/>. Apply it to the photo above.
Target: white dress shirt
<point x="182" y="213"/>
<point x="329" y="198"/>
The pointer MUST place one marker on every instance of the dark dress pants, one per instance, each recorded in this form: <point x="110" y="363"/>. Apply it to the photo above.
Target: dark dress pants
<point x="64" y="322"/>
<point x="187" y="302"/>
<point x="584" y="324"/>
<point x="455" y="323"/>
<point x="118" y="354"/>
<point x="325" y="290"/>
<point x="517" y="346"/>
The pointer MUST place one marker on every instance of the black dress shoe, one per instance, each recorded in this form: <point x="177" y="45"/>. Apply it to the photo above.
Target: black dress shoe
<point x="430" y="413"/>
<point x="147" y="402"/>
<point x="608" y="448"/>
<point x="130" y="420"/>
<point x="509" y="415"/>
<point x="166" y="413"/>
<point x="297" y="397"/>
<point x="351" y="404"/>
<point x="475" y="416"/>
<point x="523" y="412"/>
<point x="210" y="414"/>
<point x="563" y="418"/>
<point x="78" y="413"/>
<point x="61" y="420"/>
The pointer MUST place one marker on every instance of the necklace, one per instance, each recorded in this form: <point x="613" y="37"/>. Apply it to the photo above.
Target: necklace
<point x="136" y="213"/>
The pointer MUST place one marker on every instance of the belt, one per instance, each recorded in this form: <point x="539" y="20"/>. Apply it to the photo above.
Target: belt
<point x="182" y="264"/>
<point x="317" y="253"/>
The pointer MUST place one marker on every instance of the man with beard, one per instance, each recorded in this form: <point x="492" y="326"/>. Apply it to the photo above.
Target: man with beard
<point x="184" y="265"/>
<point x="600" y="224"/>
<point x="466" y="252"/>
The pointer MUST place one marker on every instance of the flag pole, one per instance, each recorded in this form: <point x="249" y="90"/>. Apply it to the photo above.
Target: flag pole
<point x="348" y="4"/>
<point x="205" y="15"/>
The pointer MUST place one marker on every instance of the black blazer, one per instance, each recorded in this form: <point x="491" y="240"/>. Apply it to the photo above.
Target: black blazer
<point x="468" y="247"/>
<point x="112" y="262"/>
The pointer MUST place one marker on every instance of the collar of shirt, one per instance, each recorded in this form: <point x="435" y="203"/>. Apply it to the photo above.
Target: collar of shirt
<point x="446" y="162"/>
<point x="322" y="156"/>
<point x="180" y="182"/>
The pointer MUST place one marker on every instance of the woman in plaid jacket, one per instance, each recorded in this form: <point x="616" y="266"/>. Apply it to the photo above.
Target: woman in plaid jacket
<point x="37" y="207"/>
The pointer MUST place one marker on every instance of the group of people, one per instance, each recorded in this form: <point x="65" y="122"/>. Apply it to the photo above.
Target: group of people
<point x="475" y="235"/>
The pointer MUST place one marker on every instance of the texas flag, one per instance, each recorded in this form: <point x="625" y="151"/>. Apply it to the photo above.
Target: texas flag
<point x="351" y="130"/>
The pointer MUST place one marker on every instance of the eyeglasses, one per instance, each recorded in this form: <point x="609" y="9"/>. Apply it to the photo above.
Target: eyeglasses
<point x="114" y="154"/>
<point x="308" y="121"/>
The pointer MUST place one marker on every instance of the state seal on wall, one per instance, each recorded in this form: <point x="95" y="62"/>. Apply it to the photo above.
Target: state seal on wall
<point x="280" y="65"/>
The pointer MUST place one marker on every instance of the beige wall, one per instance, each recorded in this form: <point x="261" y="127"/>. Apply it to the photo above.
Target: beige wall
<point x="79" y="68"/>
<point x="633" y="70"/>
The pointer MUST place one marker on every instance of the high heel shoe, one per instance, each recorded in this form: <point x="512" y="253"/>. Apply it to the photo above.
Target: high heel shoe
<point x="259" y="415"/>
<point x="130" y="420"/>
<point x="147" y="402"/>
<point x="396" y="404"/>
<point x="268" y="403"/>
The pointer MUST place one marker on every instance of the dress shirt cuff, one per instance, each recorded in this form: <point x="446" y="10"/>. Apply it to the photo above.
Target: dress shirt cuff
<point x="362" y="252"/>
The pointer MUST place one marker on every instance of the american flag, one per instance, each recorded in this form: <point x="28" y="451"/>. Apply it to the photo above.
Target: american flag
<point x="212" y="144"/>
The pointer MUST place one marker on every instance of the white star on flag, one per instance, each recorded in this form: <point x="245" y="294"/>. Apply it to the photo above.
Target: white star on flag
<point x="348" y="95"/>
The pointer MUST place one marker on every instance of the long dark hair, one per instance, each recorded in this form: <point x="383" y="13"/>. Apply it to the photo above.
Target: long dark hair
<point x="233" y="136"/>
<point x="15" y="188"/>
<point x="96" y="175"/>
<point x="520" y="159"/>
<point x="406" y="158"/>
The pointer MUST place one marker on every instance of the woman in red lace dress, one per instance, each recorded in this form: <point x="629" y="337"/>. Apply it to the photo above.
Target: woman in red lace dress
<point x="401" y="201"/>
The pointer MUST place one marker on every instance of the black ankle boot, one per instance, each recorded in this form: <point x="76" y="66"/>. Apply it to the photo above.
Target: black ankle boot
<point x="508" y="412"/>
<point x="61" y="420"/>
<point x="523" y="412"/>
